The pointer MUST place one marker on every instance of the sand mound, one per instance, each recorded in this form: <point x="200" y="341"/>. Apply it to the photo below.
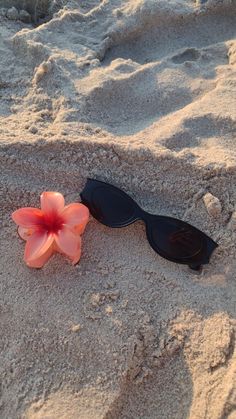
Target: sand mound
<point x="141" y="94"/>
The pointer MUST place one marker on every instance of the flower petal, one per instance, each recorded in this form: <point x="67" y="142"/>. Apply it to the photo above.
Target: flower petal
<point x="27" y="217"/>
<point x="41" y="260"/>
<point x="76" y="216"/>
<point x="37" y="245"/>
<point x="26" y="232"/>
<point x="67" y="242"/>
<point x="52" y="202"/>
<point x="76" y="257"/>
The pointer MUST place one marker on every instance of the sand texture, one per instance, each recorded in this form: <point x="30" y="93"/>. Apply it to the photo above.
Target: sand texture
<point x="142" y="94"/>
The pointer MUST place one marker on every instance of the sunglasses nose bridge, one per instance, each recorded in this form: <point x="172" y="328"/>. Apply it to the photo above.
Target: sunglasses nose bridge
<point x="147" y="218"/>
<point x="140" y="214"/>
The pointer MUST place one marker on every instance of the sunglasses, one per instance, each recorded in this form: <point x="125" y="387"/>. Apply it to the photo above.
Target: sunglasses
<point x="171" y="238"/>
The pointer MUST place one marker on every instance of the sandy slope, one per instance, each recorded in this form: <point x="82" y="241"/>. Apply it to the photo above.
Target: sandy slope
<point x="140" y="93"/>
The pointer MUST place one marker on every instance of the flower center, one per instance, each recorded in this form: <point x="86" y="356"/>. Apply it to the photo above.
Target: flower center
<point x="52" y="222"/>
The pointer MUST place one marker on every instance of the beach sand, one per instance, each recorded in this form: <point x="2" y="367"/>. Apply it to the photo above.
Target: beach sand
<point x="141" y="94"/>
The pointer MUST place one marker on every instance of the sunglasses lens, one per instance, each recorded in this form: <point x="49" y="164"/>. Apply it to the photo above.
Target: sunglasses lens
<point x="109" y="205"/>
<point x="176" y="239"/>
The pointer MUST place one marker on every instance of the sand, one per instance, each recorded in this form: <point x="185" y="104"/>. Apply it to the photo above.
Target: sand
<point x="139" y="93"/>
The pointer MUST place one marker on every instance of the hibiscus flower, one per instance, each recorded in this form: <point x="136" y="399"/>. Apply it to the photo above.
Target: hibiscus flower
<point x="53" y="228"/>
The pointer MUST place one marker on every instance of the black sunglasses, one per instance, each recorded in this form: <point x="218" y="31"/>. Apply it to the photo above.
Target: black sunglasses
<point x="171" y="238"/>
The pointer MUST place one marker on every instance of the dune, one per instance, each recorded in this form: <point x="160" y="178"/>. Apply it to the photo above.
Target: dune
<point x="141" y="94"/>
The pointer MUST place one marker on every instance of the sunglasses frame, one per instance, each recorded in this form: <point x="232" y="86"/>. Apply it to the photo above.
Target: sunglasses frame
<point x="139" y="214"/>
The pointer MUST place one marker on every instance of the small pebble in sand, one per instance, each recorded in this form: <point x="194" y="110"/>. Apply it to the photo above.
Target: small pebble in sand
<point x="124" y="303"/>
<point x="33" y="129"/>
<point x="212" y="204"/>
<point x="110" y="284"/>
<point x="118" y="13"/>
<point x="108" y="310"/>
<point x="112" y="295"/>
<point x="76" y="328"/>
<point x="12" y="13"/>
<point x="25" y="16"/>
<point x="44" y="68"/>
<point x="96" y="299"/>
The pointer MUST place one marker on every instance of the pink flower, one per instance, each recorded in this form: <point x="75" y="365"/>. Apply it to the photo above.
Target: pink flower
<point x="53" y="228"/>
